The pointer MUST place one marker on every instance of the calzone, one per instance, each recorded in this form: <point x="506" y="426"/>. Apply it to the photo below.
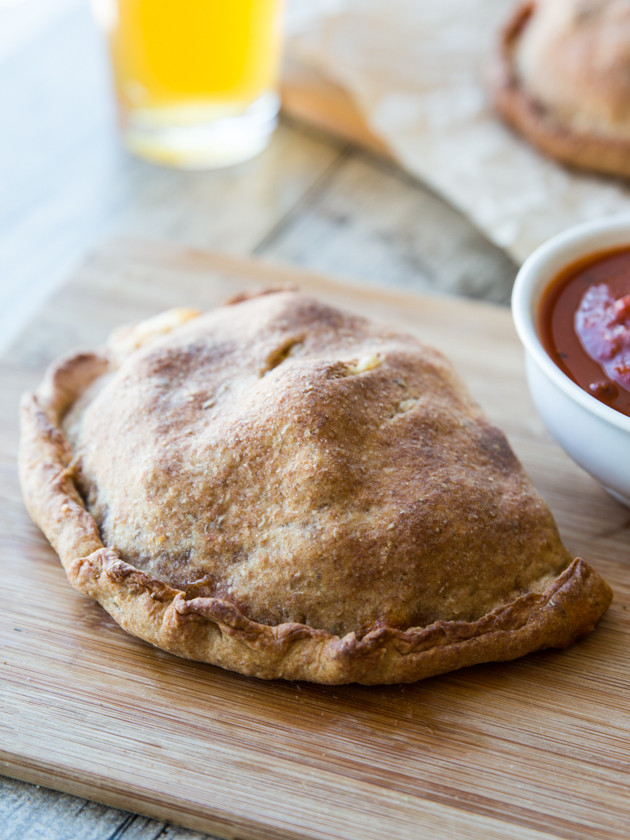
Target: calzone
<point x="291" y="491"/>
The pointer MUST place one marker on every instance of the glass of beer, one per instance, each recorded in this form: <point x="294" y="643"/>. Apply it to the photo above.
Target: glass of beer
<point x="195" y="80"/>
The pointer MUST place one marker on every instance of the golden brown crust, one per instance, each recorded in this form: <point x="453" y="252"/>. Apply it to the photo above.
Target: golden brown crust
<point x="605" y="150"/>
<point x="401" y="537"/>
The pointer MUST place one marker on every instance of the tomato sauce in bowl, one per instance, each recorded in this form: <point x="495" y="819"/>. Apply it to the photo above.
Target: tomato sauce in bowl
<point x="584" y="325"/>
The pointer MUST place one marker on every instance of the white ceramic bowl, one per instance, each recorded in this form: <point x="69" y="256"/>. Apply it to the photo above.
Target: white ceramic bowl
<point x="596" y="436"/>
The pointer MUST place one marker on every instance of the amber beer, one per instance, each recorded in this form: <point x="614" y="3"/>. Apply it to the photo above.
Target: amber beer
<point x="195" y="79"/>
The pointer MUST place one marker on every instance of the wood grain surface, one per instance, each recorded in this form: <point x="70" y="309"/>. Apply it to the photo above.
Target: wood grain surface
<point x="312" y="98"/>
<point x="537" y="748"/>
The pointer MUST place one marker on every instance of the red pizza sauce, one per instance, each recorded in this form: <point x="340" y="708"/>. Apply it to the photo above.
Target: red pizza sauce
<point x="584" y="325"/>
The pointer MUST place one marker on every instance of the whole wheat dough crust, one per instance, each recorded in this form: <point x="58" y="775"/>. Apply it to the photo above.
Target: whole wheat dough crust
<point x="290" y="491"/>
<point x="568" y="95"/>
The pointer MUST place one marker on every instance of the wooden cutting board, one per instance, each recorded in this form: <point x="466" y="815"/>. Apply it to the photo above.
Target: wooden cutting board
<point x="312" y="98"/>
<point x="537" y="748"/>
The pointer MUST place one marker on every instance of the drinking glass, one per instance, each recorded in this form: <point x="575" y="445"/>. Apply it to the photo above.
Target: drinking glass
<point x="195" y="80"/>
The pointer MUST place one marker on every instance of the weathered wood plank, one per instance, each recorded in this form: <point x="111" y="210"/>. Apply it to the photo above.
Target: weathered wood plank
<point x="30" y="812"/>
<point x="373" y="222"/>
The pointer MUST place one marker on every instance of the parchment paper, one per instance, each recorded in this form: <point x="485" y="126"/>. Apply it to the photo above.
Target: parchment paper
<point x="416" y="69"/>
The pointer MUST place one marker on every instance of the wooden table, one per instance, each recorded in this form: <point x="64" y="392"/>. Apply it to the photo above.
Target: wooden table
<point x="309" y="200"/>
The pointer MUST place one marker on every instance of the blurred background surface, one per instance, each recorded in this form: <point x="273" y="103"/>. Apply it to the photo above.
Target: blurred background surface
<point x="311" y="198"/>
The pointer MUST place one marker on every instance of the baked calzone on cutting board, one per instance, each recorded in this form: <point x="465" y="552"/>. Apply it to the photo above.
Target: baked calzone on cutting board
<point x="291" y="491"/>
